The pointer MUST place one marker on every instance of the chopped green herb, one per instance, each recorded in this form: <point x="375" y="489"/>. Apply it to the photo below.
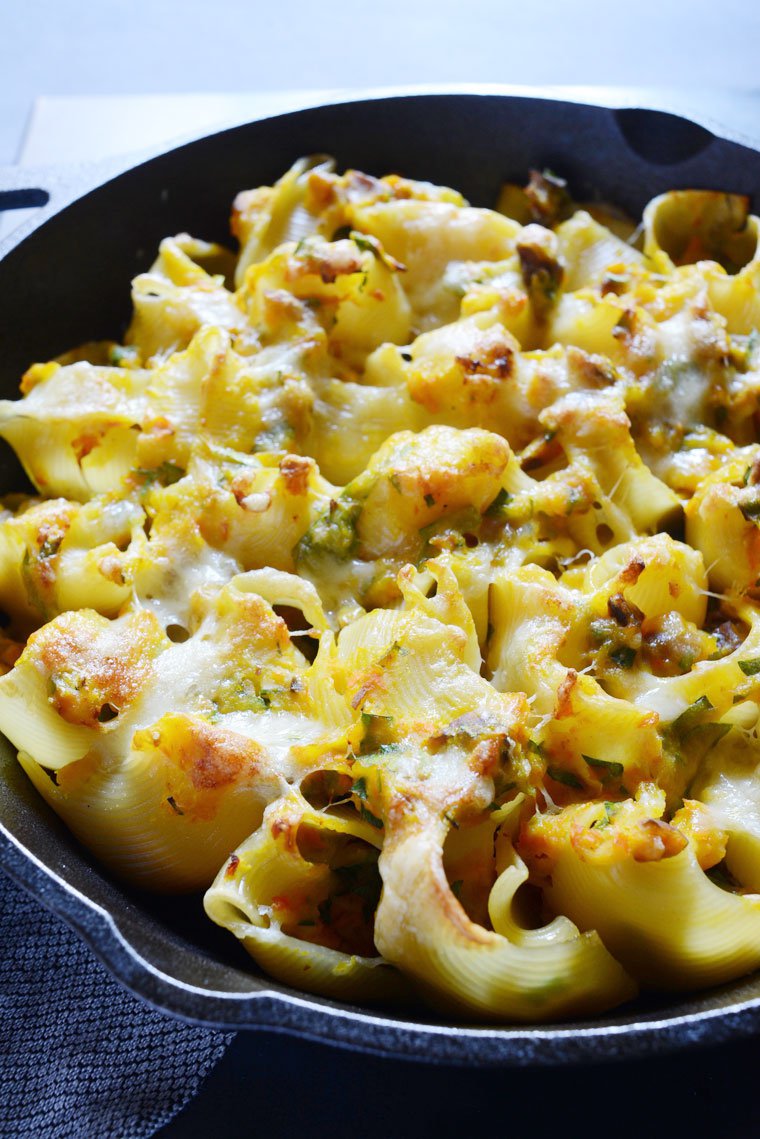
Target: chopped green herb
<point x="369" y="719"/>
<point x="167" y="473"/>
<point x="711" y="734"/>
<point x="623" y="656"/>
<point x="601" y="630"/>
<point x="610" y="810"/>
<point x="50" y="547"/>
<point x="690" y="718"/>
<point x="565" y="777"/>
<point x="607" y="768"/>
<point x="333" y="533"/>
<point x="456" y="888"/>
<point x="369" y="817"/>
<point x="366" y="244"/>
<point x="430" y="500"/>
<point x="122" y="354"/>
<point x="360" y="788"/>
<point x="502" y="499"/>
<point x="750" y="667"/>
<point x="751" y="510"/>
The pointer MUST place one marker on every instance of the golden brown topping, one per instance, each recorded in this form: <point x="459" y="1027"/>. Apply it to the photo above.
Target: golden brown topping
<point x="92" y="664"/>
<point x="295" y="470"/>
<point x="655" y="840"/>
<point x="623" y="612"/>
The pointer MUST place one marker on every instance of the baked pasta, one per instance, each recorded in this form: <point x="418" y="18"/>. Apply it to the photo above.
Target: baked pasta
<point x="395" y="582"/>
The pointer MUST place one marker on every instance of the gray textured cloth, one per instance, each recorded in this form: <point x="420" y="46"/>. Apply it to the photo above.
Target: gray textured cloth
<point x="79" y="1055"/>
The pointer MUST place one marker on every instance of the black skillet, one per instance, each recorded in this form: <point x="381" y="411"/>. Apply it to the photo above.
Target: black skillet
<point x="64" y="279"/>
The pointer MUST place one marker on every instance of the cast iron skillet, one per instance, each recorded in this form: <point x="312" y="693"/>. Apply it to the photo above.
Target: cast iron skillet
<point x="64" y="279"/>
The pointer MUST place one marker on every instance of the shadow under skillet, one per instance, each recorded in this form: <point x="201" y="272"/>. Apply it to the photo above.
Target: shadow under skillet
<point x="268" y="1084"/>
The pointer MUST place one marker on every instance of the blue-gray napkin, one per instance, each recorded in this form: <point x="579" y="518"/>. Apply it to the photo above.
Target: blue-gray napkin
<point x="80" y="1057"/>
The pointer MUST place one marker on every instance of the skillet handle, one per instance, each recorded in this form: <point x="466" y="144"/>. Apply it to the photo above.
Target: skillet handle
<point x="47" y="188"/>
<point x="23" y="189"/>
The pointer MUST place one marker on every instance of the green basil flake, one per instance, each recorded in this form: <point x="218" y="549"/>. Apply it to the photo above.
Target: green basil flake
<point x="167" y="473"/>
<point x="703" y="738"/>
<point x="370" y="818"/>
<point x="364" y="243"/>
<point x="610" y="769"/>
<point x="502" y="499"/>
<point x="50" y="547"/>
<point x="750" y="667"/>
<point x="122" y="354"/>
<point x="751" y="510"/>
<point x="360" y="788"/>
<point x="689" y="718"/>
<point x="536" y="748"/>
<point x="610" y="810"/>
<point x="456" y="888"/>
<point x="623" y="656"/>
<point x="430" y="500"/>
<point x="565" y="777"/>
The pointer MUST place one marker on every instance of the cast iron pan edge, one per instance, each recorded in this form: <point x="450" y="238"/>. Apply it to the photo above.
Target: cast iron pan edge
<point x="642" y="153"/>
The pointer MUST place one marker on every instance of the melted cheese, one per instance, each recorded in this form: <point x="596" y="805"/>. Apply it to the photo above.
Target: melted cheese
<point x="441" y="451"/>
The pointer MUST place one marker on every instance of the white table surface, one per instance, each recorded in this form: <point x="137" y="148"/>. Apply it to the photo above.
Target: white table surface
<point x="121" y="47"/>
